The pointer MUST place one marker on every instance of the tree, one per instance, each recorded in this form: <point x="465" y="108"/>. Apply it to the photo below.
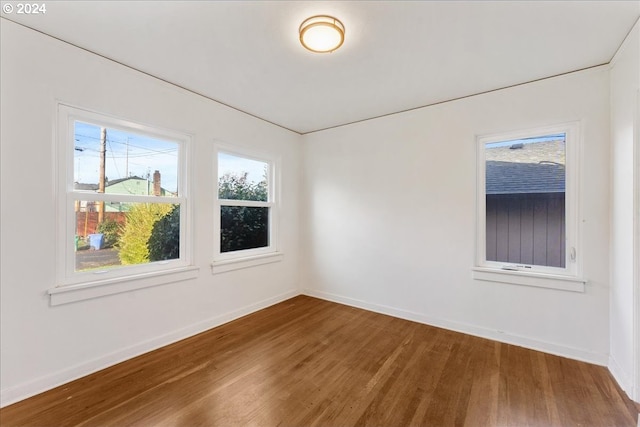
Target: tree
<point x="152" y="230"/>
<point x="111" y="231"/>
<point x="243" y="227"/>
<point x="136" y="232"/>
<point x="164" y="241"/>
<point x="236" y="187"/>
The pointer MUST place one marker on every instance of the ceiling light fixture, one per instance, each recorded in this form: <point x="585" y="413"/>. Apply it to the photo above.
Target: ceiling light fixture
<point x="321" y="33"/>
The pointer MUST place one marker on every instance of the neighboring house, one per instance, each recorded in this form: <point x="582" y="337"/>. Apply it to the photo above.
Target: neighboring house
<point x="134" y="185"/>
<point x="525" y="204"/>
<point x="89" y="188"/>
<point x="84" y="205"/>
<point x="87" y="210"/>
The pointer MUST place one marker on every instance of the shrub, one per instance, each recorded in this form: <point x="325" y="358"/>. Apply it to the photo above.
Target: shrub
<point x="238" y="187"/>
<point x="111" y="231"/>
<point x="243" y="227"/>
<point x="164" y="241"/>
<point x="135" y="234"/>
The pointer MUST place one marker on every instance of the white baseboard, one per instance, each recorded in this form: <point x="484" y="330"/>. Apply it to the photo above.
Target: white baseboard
<point x="25" y="390"/>
<point x="623" y="379"/>
<point x="518" y="340"/>
<point x="22" y="391"/>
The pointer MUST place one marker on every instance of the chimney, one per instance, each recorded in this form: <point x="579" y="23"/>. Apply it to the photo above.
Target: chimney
<point x="156" y="184"/>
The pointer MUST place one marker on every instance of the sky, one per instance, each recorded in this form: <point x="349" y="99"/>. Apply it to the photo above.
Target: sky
<point x="127" y="154"/>
<point x="532" y="140"/>
<point x="237" y="165"/>
<point x="131" y="154"/>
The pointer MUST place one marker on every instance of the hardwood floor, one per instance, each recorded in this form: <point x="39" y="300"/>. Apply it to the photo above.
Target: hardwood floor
<point x="311" y="362"/>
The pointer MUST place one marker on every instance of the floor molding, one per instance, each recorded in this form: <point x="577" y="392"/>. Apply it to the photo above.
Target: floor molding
<point x="309" y="361"/>
<point x="623" y="379"/>
<point x="519" y="340"/>
<point x="22" y="391"/>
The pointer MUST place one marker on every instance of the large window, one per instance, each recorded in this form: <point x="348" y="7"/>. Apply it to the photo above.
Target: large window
<point x="527" y="201"/>
<point x="246" y="209"/>
<point x="122" y="198"/>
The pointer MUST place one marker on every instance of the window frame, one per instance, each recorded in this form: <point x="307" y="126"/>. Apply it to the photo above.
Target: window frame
<point x="225" y="261"/>
<point x="68" y="279"/>
<point x="565" y="278"/>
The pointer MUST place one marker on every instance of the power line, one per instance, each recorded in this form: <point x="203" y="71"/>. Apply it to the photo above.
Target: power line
<point x="165" y="151"/>
<point x="114" y="162"/>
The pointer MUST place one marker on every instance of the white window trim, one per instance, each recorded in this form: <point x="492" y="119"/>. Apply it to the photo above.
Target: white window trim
<point x="223" y="266"/>
<point x="100" y="288"/>
<point x="227" y="261"/>
<point x="82" y="285"/>
<point x="568" y="278"/>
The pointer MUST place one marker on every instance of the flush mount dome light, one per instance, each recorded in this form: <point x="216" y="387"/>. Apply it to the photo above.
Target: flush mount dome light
<point x="321" y="33"/>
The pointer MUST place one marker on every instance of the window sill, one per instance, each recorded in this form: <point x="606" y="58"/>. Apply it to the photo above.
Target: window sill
<point x="525" y="278"/>
<point x="72" y="293"/>
<point x="222" y="266"/>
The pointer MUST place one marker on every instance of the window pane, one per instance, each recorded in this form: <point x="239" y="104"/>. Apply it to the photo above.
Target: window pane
<point x="133" y="164"/>
<point x="109" y="235"/>
<point x="525" y="201"/>
<point x="243" y="227"/>
<point x="240" y="178"/>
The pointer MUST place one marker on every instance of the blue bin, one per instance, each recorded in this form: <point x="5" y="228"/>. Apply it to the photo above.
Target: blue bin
<point x="96" y="241"/>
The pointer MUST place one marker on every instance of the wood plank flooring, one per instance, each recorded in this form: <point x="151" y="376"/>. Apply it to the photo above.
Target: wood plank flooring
<point x="307" y="362"/>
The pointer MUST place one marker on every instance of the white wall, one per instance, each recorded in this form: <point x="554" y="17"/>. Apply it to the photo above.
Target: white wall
<point x="43" y="346"/>
<point x="625" y="84"/>
<point x="390" y="217"/>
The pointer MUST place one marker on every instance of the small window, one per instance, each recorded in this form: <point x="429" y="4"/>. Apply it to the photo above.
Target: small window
<point x="246" y="209"/>
<point x="124" y="198"/>
<point x="527" y="218"/>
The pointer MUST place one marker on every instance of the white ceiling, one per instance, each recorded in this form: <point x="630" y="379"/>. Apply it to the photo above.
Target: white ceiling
<point x="397" y="55"/>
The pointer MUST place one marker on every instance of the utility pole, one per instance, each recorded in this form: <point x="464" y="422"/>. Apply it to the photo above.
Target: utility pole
<point x="101" y="183"/>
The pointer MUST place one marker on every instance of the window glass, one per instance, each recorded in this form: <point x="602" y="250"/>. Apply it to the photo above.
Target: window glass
<point x="243" y="227"/>
<point x="245" y="206"/>
<point x="240" y="178"/>
<point x="125" y="200"/>
<point x="525" y="186"/>
<point x="128" y="234"/>
<point x="108" y="160"/>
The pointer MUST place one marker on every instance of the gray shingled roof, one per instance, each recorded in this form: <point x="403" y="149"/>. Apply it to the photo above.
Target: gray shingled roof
<point x="510" y="178"/>
<point x="84" y="187"/>
<point x="533" y="168"/>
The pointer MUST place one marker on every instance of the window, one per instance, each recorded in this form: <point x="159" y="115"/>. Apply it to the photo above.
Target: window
<point x="527" y="203"/>
<point x="122" y="199"/>
<point x="246" y="208"/>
